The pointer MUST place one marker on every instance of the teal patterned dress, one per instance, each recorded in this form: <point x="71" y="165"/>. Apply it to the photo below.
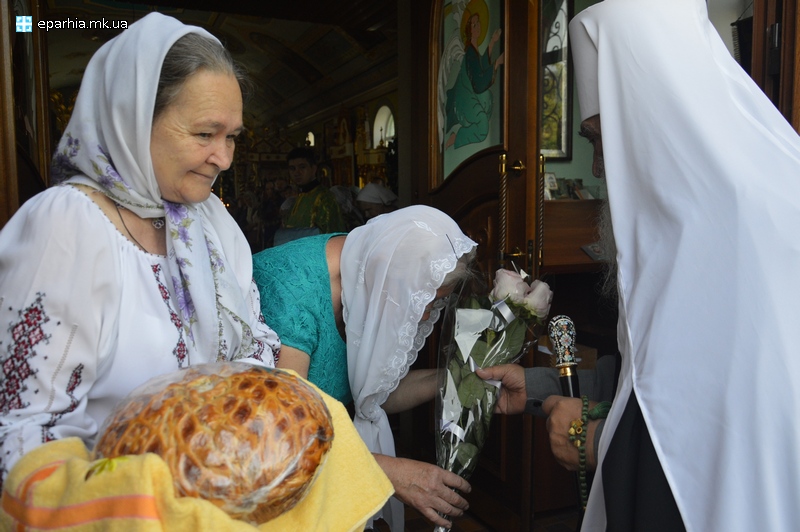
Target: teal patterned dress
<point x="295" y="289"/>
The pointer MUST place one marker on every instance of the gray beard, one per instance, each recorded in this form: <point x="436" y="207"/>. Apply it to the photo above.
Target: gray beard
<point x="608" y="284"/>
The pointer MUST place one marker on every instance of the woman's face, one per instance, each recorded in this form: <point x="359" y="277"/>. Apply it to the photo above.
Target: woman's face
<point x="193" y="138"/>
<point x="474" y="28"/>
<point x="440" y="294"/>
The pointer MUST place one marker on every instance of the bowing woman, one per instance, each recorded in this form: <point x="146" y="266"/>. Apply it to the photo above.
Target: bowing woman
<point x="353" y="311"/>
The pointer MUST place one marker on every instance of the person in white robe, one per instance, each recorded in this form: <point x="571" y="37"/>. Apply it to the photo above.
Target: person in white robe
<point x="701" y="170"/>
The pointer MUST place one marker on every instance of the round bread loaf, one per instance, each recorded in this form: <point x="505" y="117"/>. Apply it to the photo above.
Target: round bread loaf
<point x="247" y="438"/>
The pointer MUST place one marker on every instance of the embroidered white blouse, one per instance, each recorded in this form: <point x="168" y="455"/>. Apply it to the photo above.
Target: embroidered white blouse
<point x="85" y="317"/>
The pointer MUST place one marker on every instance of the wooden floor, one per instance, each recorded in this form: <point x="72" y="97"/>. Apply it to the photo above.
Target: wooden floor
<point x="554" y="521"/>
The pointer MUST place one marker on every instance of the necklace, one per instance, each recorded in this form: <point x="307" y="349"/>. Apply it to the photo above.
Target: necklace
<point x="126" y="227"/>
<point x="158" y="223"/>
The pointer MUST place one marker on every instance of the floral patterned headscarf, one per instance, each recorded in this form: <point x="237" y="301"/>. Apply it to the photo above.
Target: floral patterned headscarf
<point x="106" y="145"/>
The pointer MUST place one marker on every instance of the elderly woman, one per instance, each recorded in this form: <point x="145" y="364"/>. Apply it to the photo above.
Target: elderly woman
<point x="130" y="267"/>
<point x="353" y="312"/>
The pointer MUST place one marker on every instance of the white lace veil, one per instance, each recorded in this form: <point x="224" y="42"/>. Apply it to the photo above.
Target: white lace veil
<point x="391" y="268"/>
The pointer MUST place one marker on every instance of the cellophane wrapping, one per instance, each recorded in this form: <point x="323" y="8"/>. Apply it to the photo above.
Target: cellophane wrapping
<point x="465" y="401"/>
<point x="480" y="331"/>
<point x="248" y="439"/>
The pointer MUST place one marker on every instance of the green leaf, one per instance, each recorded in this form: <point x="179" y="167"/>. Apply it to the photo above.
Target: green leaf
<point x="490" y="337"/>
<point x="471" y="390"/>
<point x="478" y="353"/>
<point x="464" y="372"/>
<point x="516" y="334"/>
<point x="508" y="344"/>
<point x="455" y="369"/>
<point x="473" y="303"/>
<point x="466" y="453"/>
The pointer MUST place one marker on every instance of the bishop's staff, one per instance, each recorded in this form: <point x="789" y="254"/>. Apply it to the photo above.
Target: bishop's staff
<point x="562" y="338"/>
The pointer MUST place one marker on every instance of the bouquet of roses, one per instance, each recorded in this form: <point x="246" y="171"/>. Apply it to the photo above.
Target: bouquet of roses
<point x="479" y="332"/>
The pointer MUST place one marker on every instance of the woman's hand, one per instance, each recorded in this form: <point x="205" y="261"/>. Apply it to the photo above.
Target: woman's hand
<point x="513" y="396"/>
<point x="494" y="39"/>
<point x="426" y="487"/>
<point x="500" y="60"/>
<point x="561" y="412"/>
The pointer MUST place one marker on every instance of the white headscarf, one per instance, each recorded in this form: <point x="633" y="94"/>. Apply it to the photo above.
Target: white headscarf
<point x="375" y="193"/>
<point x="106" y="145"/>
<point x="391" y="268"/>
<point x="703" y="177"/>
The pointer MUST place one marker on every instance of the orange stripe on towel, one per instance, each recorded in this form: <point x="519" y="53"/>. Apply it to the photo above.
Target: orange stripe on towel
<point x="121" y="507"/>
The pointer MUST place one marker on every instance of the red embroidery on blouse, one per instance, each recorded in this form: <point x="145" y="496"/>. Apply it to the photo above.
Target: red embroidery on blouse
<point x="75" y="379"/>
<point x="259" y="353"/>
<point x="181" y="352"/>
<point x="25" y="335"/>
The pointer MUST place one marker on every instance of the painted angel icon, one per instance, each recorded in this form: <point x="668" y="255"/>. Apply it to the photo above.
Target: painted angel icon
<point x="468" y="69"/>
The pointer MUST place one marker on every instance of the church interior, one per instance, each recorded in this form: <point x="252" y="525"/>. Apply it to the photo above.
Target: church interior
<point x="361" y="82"/>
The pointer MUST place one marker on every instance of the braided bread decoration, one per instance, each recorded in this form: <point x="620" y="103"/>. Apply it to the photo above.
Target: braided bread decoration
<point x="246" y="438"/>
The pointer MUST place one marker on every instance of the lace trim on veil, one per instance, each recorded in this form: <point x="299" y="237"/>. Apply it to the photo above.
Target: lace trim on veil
<point x="413" y="333"/>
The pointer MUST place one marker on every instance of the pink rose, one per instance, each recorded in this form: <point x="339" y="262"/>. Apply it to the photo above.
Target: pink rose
<point x="508" y="284"/>
<point x="538" y="299"/>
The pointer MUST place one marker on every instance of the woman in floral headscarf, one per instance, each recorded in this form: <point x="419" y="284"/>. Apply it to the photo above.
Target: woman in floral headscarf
<point x="353" y="312"/>
<point x="130" y="267"/>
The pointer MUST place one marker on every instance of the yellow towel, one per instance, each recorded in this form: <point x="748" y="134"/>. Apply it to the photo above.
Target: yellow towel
<point x="48" y="489"/>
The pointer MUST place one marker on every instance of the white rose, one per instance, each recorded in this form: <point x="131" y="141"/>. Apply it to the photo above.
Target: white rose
<point x="538" y="299"/>
<point x="508" y="284"/>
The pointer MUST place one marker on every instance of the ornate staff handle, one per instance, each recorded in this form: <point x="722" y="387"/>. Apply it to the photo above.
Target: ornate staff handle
<point x="562" y="337"/>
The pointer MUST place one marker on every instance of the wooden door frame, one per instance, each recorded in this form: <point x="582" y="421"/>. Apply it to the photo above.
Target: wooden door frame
<point x="787" y="98"/>
<point x="534" y="224"/>
<point x="9" y="202"/>
<point x="11" y="166"/>
<point x="794" y="58"/>
<point x="523" y="187"/>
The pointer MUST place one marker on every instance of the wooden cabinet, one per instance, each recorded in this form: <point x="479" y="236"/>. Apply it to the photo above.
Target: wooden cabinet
<point x="776" y="43"/>
<point x="566" y="226"/>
